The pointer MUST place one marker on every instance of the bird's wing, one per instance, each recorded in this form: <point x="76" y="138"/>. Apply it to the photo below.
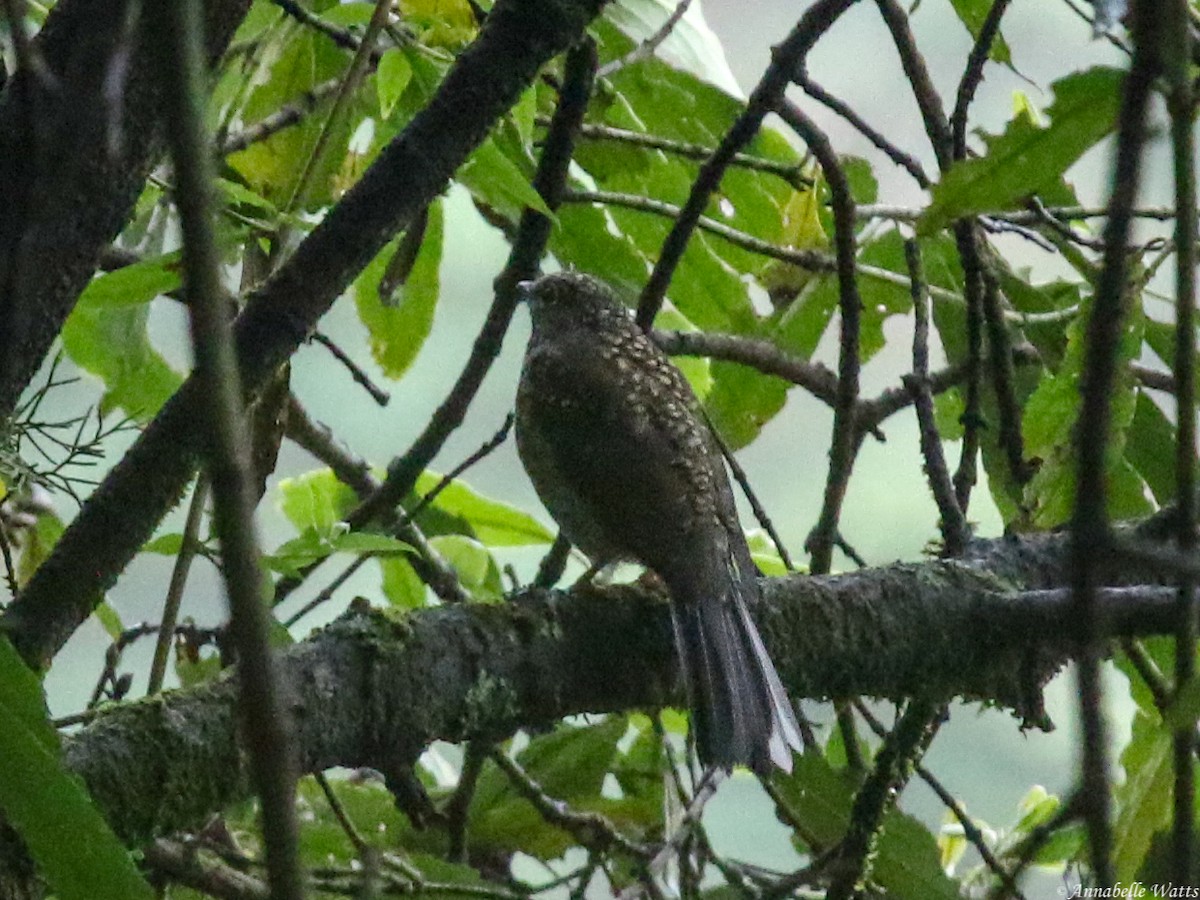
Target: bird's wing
<point x="624" y="435"/>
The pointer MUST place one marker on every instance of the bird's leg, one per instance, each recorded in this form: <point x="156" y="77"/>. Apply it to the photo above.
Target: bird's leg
<point x="598" y="573"/>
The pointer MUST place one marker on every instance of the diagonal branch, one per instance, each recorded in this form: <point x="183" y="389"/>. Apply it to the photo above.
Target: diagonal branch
<point x="72" y="162"/>
<point x="489" y="76"/>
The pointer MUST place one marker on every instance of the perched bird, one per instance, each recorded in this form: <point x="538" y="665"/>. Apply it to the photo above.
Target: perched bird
<point x="611" y="436"/>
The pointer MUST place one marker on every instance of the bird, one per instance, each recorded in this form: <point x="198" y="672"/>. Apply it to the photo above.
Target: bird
<point x="613" y="440"/>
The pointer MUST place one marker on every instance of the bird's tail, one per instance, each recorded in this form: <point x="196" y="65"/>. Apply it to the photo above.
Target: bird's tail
<point x="740" y="712"/>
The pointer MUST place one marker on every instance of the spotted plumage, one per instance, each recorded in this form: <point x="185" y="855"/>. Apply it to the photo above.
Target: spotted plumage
<point x="611" y="436"/>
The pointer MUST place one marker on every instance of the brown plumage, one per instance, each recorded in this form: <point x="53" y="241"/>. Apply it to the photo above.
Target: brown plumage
<point x="610" y="434"/>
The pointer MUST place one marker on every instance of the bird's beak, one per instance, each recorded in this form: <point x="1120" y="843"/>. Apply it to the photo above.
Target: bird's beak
<point x="525" y="290"/>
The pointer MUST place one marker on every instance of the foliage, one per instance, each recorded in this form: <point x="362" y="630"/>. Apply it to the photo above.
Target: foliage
<point x="579" y="805"/>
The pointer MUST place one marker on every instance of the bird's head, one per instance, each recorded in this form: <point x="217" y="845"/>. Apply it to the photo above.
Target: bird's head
<point x="569" y="299"/>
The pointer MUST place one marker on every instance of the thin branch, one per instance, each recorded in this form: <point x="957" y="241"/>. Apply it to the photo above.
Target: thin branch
<point x="955" y="532"/>
<point x="340" y="36"/>
<point x="590" y="829"/>
<point x="459" y="804"/>
<point x="786" y="60"/>
<point x="1177" y="51"/>
<point x="845" y="440"/>
<point x="972" y="416"/>
<point x="285" y="117"/>
<point x="179" y="576"/>
<point x="970" y="830"/>
<point x="182" y="864"/>
<point x="356" y="473"/>
<point x="349" y="84"/>
<point x="1028" y="216"/>
<point x="904" y="160"/>
<point x="1000" y="360"/>
<point x="894" y="764"/>
<point x="933" y="113"/>
<point x="646" y="48"/>
<point x="792" y="173"/>
<point x="973" y="75"/>
<point x="361" y="847"/>
<point x="1089" y="527"/>
<point x="756" y="353"/>
<point x="378" y="394"/>
<point x="813" y="260"/>
<point x="760" y="512"/>
<point x="1033" y="844"/>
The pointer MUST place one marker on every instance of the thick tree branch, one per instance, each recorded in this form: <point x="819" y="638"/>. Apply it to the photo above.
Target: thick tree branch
<point x="371" y="689"/>
<point x="486" y="80"/>
<point x="72" y="162"/>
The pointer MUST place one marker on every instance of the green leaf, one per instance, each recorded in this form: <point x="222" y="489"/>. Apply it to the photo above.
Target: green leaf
<point x="1151" y="448"/>
<point x="1144" y="801"/>
<point x="134" y="285"/>
<point x="499" y="183"/>
<point x="472" y="563"/>
<point x="21" y="698"/>
<point x="392" y="76"/>
<point x="272" y="167"/>
<point x="312" y="545"/>
<point x="402" y="587"/>
<point x="972" y="14"/>
<point x="194" y="671"/>
<point x="399" y="324"/>
<point x="496" y="524"/>
<point x="907" y="862"/>
<point x="690" y="45"/>
<point x="110" y="619"/>
<point x="165" y="544"/>
<point x="49" y="808"/>
<point x="581" y="238"/>
<point x="111" y="343"/>
<point x="315" y="500"/>
<point x="741" y="401"/>
<point x="765" y="555"/>
<point x="1026" y="158"/>
<point x="570" y="764"/>
<point x="292" y="557"/>
<point x="39" y="541"/>
<point x="366" y="542"/>
<point x="1049" y="425"/>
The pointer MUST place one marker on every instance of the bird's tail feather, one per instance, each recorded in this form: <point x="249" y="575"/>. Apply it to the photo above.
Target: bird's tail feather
<point x="741" y="713"/>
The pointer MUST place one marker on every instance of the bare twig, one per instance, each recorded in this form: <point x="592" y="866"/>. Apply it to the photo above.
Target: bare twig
<point x="646" y="48"/>
<point x="792" y="173"/>
<point x="179" y="576"/>
<point x="953" y="524"/>
<point x="973" y="74"/>
<point x="378" y="394"/>
<point x="846" y="439"/>
<point x="349" y="84"/>
<point x="590" y="829"/>
<point x="894" y="764"/>
<point x="904" y="160"/>
<point x="285" y="117"/>
<point x="788" y="57"/>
